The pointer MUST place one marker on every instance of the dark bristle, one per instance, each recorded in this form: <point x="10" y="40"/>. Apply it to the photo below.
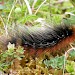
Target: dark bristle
<point x="40" y="38"/>
<point x="13" y="41"/>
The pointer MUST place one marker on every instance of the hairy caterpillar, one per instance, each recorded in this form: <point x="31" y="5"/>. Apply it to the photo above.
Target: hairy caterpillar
<point x="39" y="39"/>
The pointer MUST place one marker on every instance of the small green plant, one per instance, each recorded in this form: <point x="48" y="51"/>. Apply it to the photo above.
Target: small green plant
<point x="7" y="57"/>
<point x="70" y="67"/>
<point x="56" y="62"/>
<point x="72" y="53"/>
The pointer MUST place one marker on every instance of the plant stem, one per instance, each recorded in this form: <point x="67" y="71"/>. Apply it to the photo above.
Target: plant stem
<point x="34" y="4"/>
<point x="11" y="11"/>
<point x="2" y="20"/>
<point x="28" y="6"/>
<point x="40" y="6"/>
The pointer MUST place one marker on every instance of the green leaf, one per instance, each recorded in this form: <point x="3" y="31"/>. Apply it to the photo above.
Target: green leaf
<point x="17" y="10"/>
<point x="27" y="18"/>
<point x="73" y="2"/>
<point x="56" y="62"/>
<point x="72" y="53"/>
<point x="21" y="51"/>
<point x="70" y="66"/>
